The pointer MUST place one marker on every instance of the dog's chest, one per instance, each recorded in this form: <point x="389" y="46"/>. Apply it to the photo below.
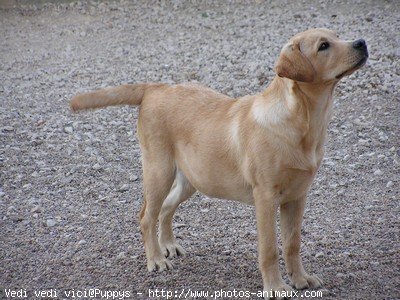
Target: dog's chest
<point x="297" y="174"/>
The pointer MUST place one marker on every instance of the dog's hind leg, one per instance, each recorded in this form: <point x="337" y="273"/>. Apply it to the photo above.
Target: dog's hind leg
<point x="158" y="176"/>
<point x="180" y="191"/>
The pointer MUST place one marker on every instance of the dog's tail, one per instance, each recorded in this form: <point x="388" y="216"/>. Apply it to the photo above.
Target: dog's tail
<point x="127" y="94"/>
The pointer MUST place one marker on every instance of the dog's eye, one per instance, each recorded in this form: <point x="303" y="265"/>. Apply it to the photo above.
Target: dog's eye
<point x="323" y="46"/>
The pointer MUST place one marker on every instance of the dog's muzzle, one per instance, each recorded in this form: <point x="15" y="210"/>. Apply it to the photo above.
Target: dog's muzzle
<point x="361" y="46"/>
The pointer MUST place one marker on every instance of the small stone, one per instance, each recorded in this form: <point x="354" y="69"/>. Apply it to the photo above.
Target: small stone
<point x="341" y="192"/>
<point x="180" y="225"/>
<point x="121" y="255"/>
<point x="370" y="17"/>
<point x="389" y="184"/>
<point x="7" y="128"/>
<point x="352" y="275"/>
<point x="17" y="218"/>
<point x="319" y="254"/>
<point x="325" y="292"/>
<point x="50" y="223"/>
<point x="81" y="242"/>
<point x="66" y="262"/>
<point x="11" y="208"/>
<point x="123" y="188"/>
<point x="133" y="178"/>
<point x="378" y="172"/>
<point x="97" y="167"/>
<point x="37" y="209"/>
<point x="68" y="128"/>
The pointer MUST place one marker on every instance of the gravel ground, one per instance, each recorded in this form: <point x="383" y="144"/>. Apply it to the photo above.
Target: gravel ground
<point x="70" y="184"/>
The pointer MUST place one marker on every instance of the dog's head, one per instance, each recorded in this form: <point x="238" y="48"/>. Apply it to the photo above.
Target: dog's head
<point x="318" y="55"/>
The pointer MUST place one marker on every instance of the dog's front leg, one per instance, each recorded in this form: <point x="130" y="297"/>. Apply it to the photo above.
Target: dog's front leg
<point x="267" y="204"/>
<point x="291" y="219"/>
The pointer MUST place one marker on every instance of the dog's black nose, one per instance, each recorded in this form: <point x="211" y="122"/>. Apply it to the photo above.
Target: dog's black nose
<point x="360" y="45"/>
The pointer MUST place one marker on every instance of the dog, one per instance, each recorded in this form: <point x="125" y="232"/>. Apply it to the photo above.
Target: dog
<point x="262" y="150"/>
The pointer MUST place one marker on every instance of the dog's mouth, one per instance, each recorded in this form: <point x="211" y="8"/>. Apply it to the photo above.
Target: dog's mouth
<point x="353" y="68"/>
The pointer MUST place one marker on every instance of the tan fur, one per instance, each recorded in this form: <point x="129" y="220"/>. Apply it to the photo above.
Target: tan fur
<point x="262" y="150"/>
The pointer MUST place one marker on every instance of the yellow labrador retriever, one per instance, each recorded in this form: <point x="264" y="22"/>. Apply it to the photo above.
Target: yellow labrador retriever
<point x="262" y="150"/>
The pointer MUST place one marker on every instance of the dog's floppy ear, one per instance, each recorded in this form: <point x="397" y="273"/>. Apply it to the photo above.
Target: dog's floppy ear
<point x="294" y="65"/>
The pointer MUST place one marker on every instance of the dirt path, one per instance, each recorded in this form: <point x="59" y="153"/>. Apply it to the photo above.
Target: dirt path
<point x="70" y="185"/>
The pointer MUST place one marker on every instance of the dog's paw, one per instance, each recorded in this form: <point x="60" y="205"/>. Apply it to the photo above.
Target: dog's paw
<point x="172" y="250"/>
<point x="159" y="264"/>
<point x="306" y="281"/>
<point x="279" y="292"/>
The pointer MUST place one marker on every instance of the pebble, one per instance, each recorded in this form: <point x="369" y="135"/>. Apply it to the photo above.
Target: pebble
<point x="8" y="128"/>
<point x="11" y="208"/>
<point x="81" y="242"/>
<point x="17" y="218"/>
<point x="68" y="128"/>
<point x="97" y="167"/>
<point x="123" y="188"/>
<point x="121" y="255"/>
<point x="50" y="223"/>
<point x="389" y="184"/>
<point x="133" y="178"/>
<point x="378" y="172"/>
<point x="319" y="254"/>
<point x="179" y="225"/>
<point x="37" y="209"/>
<point x="370" y="17"/>
<point x="325" y="292"/>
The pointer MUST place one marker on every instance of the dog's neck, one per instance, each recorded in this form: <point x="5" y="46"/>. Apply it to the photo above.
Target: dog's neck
<point x="307" y="106"/>
<point x="317" y="95"/>
<point x="313" y="101"/>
